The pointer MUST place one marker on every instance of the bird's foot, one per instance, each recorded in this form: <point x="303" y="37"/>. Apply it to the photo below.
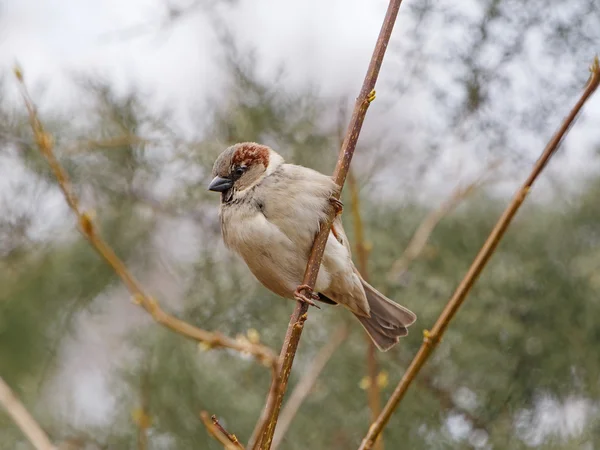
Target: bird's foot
<point x="336" y="234"/>
<point x="338" y="206"/>
<point x="305" y="294"/>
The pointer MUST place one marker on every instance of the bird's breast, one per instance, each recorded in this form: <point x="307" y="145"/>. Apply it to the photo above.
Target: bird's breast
<point x="269" y="253"/>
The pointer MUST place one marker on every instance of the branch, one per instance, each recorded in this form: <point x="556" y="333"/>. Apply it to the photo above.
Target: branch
<point x="216" y="430"/>
<point x="294" y="331"/>
<point x="413" y="250"/>
<point x="432" y="338"/>
<point x="30" y="428"/>
<point x="307" y="383"/>
<point x="88" y="229"/>
<point x="423" y="232"/>
<point x="141" y="416"/>
<point x="362" y="252"/>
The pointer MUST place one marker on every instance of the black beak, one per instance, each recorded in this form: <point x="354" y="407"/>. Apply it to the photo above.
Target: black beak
<point x="219" y="184"/>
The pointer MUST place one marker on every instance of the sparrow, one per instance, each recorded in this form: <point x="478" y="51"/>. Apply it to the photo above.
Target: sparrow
<point x="270" y="212"/>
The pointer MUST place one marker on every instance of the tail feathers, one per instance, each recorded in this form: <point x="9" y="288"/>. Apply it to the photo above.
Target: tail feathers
<point x="388" y="322"/>
<point x="387" y="309"/>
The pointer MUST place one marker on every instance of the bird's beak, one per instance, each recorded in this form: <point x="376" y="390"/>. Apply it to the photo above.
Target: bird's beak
<point x="220" y="184"/>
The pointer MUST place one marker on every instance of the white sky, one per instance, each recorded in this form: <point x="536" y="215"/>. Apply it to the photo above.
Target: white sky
<point x="327" y="43"/>
<point x="51" y="38"/>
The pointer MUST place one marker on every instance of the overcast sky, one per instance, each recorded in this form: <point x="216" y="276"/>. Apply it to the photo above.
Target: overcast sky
<point x="125" y="41"/>
<point x="327" y="43"/>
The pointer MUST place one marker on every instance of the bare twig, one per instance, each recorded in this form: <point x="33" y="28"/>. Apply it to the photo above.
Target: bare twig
<point x="307" y="383"/>
<point x="216" y="430"/>
<point x="414" y="248"/>
<point x="88" y="229"/>
<point x="255" y="440"/>
<point x="294" y="331"/>
<point x="362" y="250"/>
<point x="426" y="227"/>
<point x="30" y="428"/>
<point x="361" y="247"/>
<point x="142" y="414"/>
<point x="362" y="254"/>
<point x="232" y="437"/>
<point x="432" y="338"/>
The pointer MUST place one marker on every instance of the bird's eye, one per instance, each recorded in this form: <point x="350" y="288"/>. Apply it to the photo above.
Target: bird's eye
<point x="240" y="170"/>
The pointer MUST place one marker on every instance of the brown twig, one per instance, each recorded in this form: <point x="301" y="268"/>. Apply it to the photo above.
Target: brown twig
<point x="216" y="430"/>
<point x="294" y="331"/>
<point x="19" y="414"/>
<point x="432" y="338"/>
<point x="362" y="256"/>
<point x="426" y="227"/>
<point x="307" y="383"/>
<point x="88" y="229"/>
<point x="362" y="250"/>
<point x="415" y="247"/>
<point x="142" y="415"/>
<point x="232" y="437"/>
<point x="256" y="437"/>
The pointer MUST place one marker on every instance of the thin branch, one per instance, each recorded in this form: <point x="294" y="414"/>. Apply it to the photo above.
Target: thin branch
<point x="362" y="253"/>
<point x="88" y="229"/>
<point x="216" y="430"/>
<point x="294" y="331"/>
<point x="415" y="247"/>
<point x="426" y="227"/>
<point x="262" y="421"/>
<point x="307" y="383"/>
<point x="362" y="250"/>
<point x="30" y="428"/>
<point x="361" y="247"/>
<point x="432" y="338"/>
<point x="142" y="417"/>
<point x="232" y="437"/>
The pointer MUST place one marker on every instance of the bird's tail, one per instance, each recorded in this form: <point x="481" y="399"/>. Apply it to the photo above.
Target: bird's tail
<point x="388" y="322"/>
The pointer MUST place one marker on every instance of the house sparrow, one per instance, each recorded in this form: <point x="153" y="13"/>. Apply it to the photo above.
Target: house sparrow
<point x="270" y="212"/>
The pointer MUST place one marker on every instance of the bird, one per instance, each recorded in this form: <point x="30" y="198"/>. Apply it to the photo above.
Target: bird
<point x="270" y="212"/>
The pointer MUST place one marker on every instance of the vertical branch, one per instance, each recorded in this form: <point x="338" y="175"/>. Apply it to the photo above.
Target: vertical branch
<point x="362" y="255"/>
<point x="433" y="337"/>
<point x="142" y="414"/>
<point x="25" y="421"/>
<point x="306" y="384"/>
<point x="361" y="248"/>
<point x="299" y="316"/>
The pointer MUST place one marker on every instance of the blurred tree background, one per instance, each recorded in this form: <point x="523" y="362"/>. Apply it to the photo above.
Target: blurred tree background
<point x="519" y="367"/>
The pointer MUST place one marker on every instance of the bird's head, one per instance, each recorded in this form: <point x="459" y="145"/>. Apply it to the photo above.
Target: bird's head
<point x="242" y="166"/>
